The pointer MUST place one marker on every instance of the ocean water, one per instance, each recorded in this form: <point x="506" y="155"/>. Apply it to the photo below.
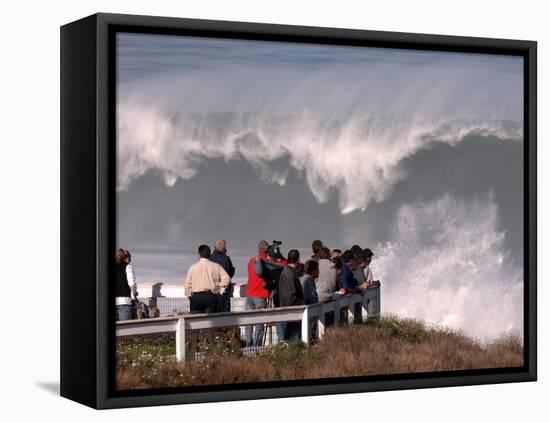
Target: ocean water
<point x="345" y="120"/>
<point x="446" y="264"/>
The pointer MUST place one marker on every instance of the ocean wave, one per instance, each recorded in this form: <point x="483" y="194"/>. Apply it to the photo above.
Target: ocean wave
<point x="358" y="159"/>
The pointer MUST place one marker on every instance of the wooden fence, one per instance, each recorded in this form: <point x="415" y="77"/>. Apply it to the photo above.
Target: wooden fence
<point x="369" y="306"/>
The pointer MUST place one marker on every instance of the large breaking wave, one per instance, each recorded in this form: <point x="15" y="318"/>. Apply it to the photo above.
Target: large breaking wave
<point x="357" y="159"/>
<point x="343" y="117"/>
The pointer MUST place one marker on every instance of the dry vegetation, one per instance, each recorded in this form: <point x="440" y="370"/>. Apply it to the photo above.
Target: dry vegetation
<point x="388" y="345"/>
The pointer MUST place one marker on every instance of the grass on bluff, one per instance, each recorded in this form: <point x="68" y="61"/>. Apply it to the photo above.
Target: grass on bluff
<point x="385" y="346"/>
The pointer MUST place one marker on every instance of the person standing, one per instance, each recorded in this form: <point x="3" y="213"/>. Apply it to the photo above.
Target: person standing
<point x="367" y="258"/>
<point x="125" y="284"/>
<point x="307" y="280"/>
<point x="220" y="256"/>
<point x="357" y="268"/>
<point x="315" y="247"/>
<point x="326" y="281"/>
<point x="204" y="279"/>
<point x="291" y="293"/>
<point x="256" y="295"/>
<point x="348" y="284"/>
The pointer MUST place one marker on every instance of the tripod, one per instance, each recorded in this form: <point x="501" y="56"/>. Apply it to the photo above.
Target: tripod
<point x="268" y="328"/>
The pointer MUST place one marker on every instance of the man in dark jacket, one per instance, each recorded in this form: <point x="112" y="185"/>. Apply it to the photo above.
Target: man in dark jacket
<point x="348" y="284"/>
<point x="220" y="257"/>
<point x="290" y="293"/>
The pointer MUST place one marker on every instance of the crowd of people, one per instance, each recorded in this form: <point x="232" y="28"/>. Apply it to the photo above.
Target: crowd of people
<point x="274" y="280"/>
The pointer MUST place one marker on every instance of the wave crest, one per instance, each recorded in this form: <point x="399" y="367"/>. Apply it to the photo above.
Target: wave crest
<point x="358" y="158"/>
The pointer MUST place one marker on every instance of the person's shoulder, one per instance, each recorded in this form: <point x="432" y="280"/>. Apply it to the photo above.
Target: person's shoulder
<point x="214" y="264"/>
<point x="285" y="271"/>
<point x="219" y="255"/>
<point x="195" y="265"/>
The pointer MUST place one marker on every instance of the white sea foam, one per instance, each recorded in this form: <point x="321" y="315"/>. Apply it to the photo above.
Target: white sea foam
<point x="447" y="264"/>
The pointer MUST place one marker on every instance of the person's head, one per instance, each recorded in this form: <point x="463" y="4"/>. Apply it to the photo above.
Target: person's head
<point x="358" y="259"/>
<point x="293" y="257"/>
<point x="367" y="255"/>
<point x="338" y="265"/>
<point x="220" y="245"/>
<point x="356" y="249"/>
<point x="347" y="257"/>
<point x="299" y="268"/>
<point x="204" y="251"/>
<point x="263" y="246"/>
<point x="311" y="268"/>
<point x="316" y="246"/>
<point x="123" y="256"/>
<point x="324" y="253"/>
<point x="336" y="253"/>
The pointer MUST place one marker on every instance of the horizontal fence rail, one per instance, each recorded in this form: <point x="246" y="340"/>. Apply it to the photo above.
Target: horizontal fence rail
<point x="307" y="314"/>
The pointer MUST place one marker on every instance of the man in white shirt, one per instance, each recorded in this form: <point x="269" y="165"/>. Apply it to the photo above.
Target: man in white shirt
<point x="367" y="258"/>
<point x="204" y="279"/>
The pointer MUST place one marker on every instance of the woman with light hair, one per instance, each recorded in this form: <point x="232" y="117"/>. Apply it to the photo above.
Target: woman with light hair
<point x="125" y="285"/>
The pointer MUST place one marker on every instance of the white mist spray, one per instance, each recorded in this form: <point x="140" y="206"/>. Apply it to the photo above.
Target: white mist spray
<point x="447" y="264"/>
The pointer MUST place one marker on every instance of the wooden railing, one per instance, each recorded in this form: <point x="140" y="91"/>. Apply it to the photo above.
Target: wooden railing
<point x="370" y="306"/>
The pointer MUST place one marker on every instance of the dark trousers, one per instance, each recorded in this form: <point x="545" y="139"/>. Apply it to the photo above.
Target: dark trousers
<point x="224" y="300"/>
<point x="202" y="302"/>
<point x="293" y="331"/>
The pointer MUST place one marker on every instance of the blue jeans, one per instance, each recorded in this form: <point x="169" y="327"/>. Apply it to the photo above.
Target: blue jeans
<point x="123" y="312"/>
<point x="254" y="334"/>
<point x="280" y="328"/>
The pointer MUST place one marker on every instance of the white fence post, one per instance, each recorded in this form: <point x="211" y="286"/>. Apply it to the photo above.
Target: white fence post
<point x="180" y="340"/>
<point x="364" y="308"/>
<point x="321" y="323"/>
<point x="351" y="310"/>
<point x="378" y="303"/>
<point x="337" y="314"/>
<point x="305" y="326"/>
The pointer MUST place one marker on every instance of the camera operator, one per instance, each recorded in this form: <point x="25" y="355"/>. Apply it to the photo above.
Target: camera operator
<point x="257" y="294"/>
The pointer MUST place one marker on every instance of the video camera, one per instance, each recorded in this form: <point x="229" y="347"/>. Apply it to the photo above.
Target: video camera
<point x="274" y="251"/>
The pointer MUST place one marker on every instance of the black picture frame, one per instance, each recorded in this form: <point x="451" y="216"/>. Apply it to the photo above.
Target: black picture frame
<point x="88" y="216"/>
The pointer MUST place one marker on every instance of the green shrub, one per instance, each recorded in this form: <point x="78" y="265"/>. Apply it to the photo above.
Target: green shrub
<point x="408" y="329"/>
<point x="287" y="353"/>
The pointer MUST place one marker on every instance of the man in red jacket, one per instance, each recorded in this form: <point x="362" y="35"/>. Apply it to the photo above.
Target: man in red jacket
<point x="257" y="295"/>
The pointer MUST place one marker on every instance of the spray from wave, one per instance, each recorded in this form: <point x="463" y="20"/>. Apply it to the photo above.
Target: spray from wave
<point x="447" y="264"/>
